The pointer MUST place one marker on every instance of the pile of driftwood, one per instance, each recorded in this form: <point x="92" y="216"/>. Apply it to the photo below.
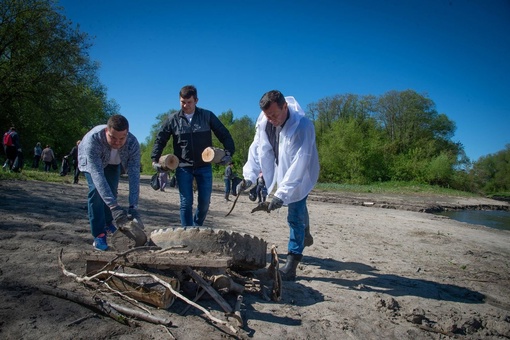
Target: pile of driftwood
<point x="152" y="276"/>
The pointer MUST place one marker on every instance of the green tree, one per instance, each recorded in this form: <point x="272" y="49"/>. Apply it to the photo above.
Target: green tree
<point x="146" y="147"/>
<point x="397" y="136"/>
<point x="49" y="87"/>
<point x="491" y="173"/>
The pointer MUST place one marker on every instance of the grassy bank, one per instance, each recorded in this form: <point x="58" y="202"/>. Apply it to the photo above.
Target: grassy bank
<point x="376" y="188"/>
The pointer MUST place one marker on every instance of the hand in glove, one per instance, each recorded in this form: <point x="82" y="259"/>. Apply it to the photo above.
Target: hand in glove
<point x="245" y="184"/>
<point x="156" y="166"/>
<point x="261" y="207"/>
<point x="276" y="203"/>
<point x="226" y="159"/>
<point x="135" y="216"/>
<point x="120" y="216"/>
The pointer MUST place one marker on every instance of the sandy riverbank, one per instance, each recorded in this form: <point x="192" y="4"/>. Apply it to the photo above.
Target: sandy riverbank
<point x="372" y="272"/>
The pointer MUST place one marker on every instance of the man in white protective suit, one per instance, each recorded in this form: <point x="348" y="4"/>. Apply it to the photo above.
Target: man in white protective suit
<point x="284" y="150"/>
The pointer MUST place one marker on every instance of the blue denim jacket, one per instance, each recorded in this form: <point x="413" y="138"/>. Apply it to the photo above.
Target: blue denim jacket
<point x="94" y="155"/>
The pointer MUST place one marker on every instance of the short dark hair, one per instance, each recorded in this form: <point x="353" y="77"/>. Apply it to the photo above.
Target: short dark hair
<point x="270" y="97"/>
<point x="188" y="91"/>
<point x="118" y="123"/>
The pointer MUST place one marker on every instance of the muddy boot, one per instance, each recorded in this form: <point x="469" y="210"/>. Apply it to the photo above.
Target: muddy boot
<point x="288" y="272"/>
<point x="308" y="237"/>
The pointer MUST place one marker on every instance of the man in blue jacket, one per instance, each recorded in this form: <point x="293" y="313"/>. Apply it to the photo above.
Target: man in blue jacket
<point x="191" y="129"/>
<point x="102" y="152"/>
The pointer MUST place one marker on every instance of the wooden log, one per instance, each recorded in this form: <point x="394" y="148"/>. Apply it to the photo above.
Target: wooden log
<point x="169" y="162"/>
<point x="144" y="289"/>
<point x="224" y="282"/>
<point x="209" y="289"/>
<point x="109" y="308"/>
<point x="213" y="155"/>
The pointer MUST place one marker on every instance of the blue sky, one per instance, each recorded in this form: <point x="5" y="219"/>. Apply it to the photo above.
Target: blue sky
<point x="455" y="51"/>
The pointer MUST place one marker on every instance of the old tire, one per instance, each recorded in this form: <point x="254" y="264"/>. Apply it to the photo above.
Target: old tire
<point x="248" y="252"/>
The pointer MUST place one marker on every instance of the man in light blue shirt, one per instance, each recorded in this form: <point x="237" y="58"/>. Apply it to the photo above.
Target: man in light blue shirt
<point x="102" y="152"/>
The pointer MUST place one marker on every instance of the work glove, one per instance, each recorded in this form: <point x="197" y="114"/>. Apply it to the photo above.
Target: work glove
<point x="262" y="206"/>
<point x="276" y="203"/>
<point x="156" y="166"/>
<point x="226" y="159"/>
<point x="134" y="215"/>
<point x="65" y="157"/>
<point x="245" y="184"/>
<point x="253" y="194"/>
<point x="120" y="216"/>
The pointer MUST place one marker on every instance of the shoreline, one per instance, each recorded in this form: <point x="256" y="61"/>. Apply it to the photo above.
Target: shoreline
<point x="372" y="272"/>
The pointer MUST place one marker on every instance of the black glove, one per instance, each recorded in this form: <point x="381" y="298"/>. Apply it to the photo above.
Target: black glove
<point x="276" y="203"/>
<point x="262" y="206"/>
<point x="245" y="184"/>
<point x="120" y="216"/>
<point x="135" y="216"/>
<point x="226" y="159"/>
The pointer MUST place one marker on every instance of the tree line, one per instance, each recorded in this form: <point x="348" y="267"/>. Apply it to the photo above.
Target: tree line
<point x="50" y="91"/>
<point x="49" y="87"/>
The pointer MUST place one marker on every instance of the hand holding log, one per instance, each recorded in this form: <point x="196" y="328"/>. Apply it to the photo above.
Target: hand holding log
<point x="168" y="162"/>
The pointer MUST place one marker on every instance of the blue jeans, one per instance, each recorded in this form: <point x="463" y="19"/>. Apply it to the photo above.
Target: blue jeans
<point x="298" y="219"/>
<point x="227" y="186"/>
<point x="99" y="213"/>
<point x="203" y="177"/>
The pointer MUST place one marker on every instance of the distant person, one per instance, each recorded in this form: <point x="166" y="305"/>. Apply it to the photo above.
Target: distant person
<point x="74" y="154"/>
<point x="191" y="130"/>
<point x="163" y="179"/>
<point x="48" y="157"/>
<point x="37" y="155"/>
<point x="284" y="150"/>
<point x="12" y="147"/>
<point x="102" y="153"/>
<point x="228" y="177"/>
<point x="261" y="191"/>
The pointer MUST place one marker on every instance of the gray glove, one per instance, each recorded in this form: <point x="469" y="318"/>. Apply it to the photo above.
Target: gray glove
<point x="120" y="216"/>
<point x="245" y="184"/>
<point x="156" y="166"/>
<point x="135" y="216"/>
<point x="226" y="159"/>
<point x="276" y="203"/>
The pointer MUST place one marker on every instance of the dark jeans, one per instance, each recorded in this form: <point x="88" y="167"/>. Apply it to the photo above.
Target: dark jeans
<point x="35" y="165"/>
<point x="203" y="178"/>
<point x="99" y="213"/>
<point x="227" y="186"/>
<point x="76" y="174"/>
<point x="298" y="219"/>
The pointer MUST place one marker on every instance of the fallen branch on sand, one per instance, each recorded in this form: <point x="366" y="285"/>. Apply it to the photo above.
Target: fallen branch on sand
<point x="85" y="279"/>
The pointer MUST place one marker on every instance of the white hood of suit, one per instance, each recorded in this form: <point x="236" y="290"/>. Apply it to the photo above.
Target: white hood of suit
<point x="298" y="168"/>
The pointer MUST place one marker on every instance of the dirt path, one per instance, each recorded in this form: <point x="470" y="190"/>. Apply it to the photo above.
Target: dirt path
<point x="372" y="273"/>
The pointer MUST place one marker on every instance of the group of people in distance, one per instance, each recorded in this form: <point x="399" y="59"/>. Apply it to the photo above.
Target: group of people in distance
<point x="283" y="150"/>
<point x="14" y="155"/>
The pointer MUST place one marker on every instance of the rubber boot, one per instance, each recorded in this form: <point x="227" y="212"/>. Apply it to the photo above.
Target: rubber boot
<point x="308" y="237"/>
<point x="227" y="198"/>
<point x="288" y="272"/>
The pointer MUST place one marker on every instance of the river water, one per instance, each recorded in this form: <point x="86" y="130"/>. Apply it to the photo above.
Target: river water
<point x="497" y="219"/>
